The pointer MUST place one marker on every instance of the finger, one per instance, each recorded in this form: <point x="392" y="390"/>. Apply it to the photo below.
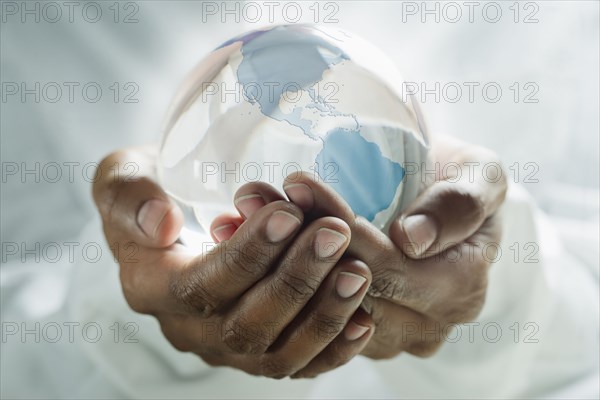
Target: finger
<point x="315" y="198"/>
<point x="277" y="299"/>
<point x="446" y="213"/>
<point x="214" y="279"/>
<point x="327" y="314"/>
<point x="132" y="205"/>
<point x="248" y="199"/>
<point x="141" y="225"/>
<point x="454" y="207"/>
<point x="253" y="196"/>
<point x="343" y="348"/>
<point x="458" y="272"/>
<point x="299" y="189"/>
<point x="224" y="226"/>
<point x="325" y="317"/>
<point x="368" y="243"/>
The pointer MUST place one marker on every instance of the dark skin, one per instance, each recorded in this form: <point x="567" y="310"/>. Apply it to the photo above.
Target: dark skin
<point x="273" y="308"/>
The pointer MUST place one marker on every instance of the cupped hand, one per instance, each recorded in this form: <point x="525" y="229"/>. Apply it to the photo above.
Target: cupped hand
<point x="431" y="272"/>
<point x="273" y="300"/>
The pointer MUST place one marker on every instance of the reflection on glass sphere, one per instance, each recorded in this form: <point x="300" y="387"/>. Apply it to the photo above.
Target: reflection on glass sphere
<point x="272" y="102"/>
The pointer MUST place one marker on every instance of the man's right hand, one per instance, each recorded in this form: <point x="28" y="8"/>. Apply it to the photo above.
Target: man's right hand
<point x="273" y="300"/>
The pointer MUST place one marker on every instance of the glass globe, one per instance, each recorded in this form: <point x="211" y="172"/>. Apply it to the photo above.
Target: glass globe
<point x="290" y="98"/>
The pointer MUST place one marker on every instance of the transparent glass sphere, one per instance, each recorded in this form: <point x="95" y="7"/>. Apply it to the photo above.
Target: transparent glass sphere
<point x="290" y="98"/>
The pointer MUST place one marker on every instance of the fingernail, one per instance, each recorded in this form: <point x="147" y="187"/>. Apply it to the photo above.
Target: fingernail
<point x="281" y="225"/>
<point x="249" y="204"/>
<point x="354" y="331"/>
<point x="151" y="214"/>
<point x="328" y="242"/>
<point x="301" y="195"/>
<point x="348" y="284"/>
<point x="224" y="232"/>
<point x="421" y="232"/>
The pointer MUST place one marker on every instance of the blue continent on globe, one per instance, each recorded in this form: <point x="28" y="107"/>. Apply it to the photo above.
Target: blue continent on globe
<point x="354" y="167"/>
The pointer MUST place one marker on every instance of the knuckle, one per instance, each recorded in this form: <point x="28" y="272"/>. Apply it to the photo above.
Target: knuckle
<point x="327" y="326"/>
<point x="243" y="337"/>
<point x="248" y="258"/>
<point x="386" y="260"/>
<point x="293" y="289"/>
<point x="388" y="284"/>
<point x="189" y="291"/>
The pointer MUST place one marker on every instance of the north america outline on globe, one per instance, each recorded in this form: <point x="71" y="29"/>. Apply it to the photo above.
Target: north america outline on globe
<point x="362" y="175"/>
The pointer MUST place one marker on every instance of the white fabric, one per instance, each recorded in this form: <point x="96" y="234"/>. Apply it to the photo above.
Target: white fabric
<point x="559" y="294"/>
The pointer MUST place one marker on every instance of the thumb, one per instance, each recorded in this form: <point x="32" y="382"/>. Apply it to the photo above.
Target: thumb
<point x="132" y="205"/>
<point x="442" y="216"/>
<point x="453" y="208"/>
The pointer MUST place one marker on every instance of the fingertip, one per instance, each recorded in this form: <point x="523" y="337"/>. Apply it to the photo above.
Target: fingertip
<point x="362" y="317"/>
<point x="360" y="326"/>
<point x="414" y="234"/>
<point x="396" y="234"/>
<point x="253" y="196"/>
<point x="248" y="204"/>
<point x="223" y="233"/>
<point x="340" y="226"/>
<point x="336" y="224"/>
<point x="224" y="226"/>
<point x="314" y="196"/>
<point x="355" y="331"/>
<point x="298" y="177"/>
<point x="169" y="228"/>
<point x="331" y="238"/>
<point x="301" y="195"/>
